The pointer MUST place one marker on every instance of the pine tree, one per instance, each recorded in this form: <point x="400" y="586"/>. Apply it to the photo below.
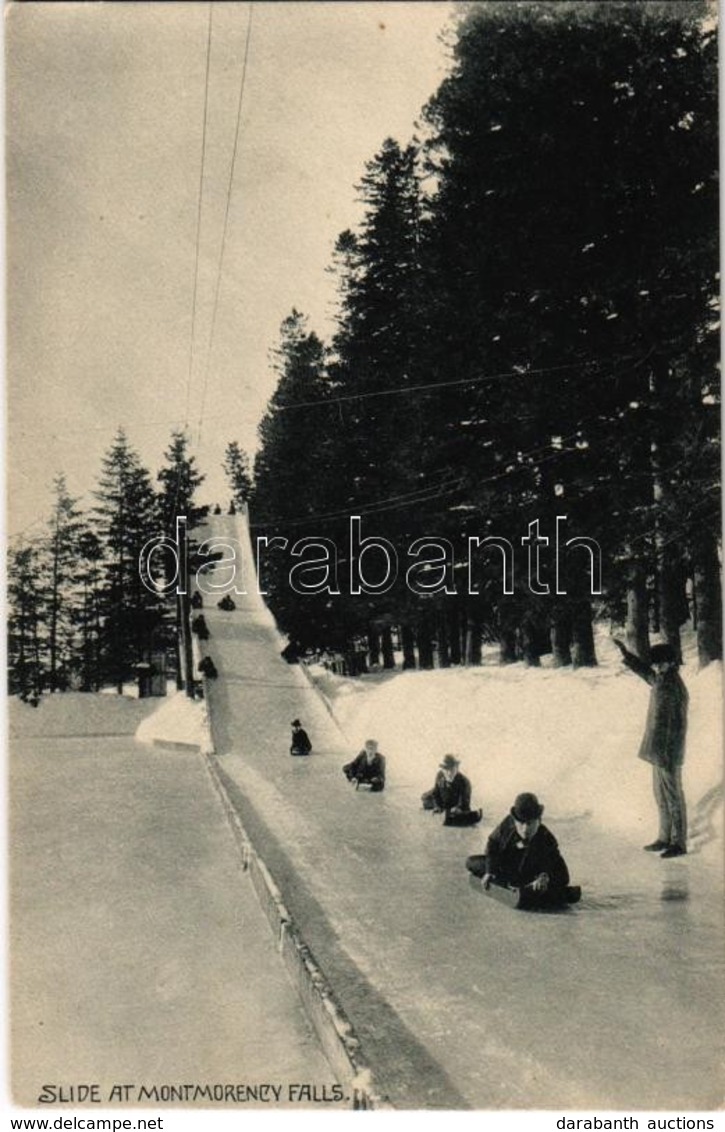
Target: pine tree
<point x="376" y="354"/>
<point x="86" y="611"/>
<point x="59" y="577"/>
<point x="126" y="519"/>
<point x="573" y="246"/>
<point x="27" y="622"/>
<point x="179" y="481"/>
<point x="291" y="468"/>
<point x="237" y="469"/>
<point x="380" y="458"/>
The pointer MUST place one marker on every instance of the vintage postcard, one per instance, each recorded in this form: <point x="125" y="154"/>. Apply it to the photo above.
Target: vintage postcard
<point x="364" y="607"/>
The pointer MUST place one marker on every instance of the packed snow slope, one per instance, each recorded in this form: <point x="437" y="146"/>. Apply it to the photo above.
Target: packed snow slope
<point x="458" y="1001"/>
<point x="569" y="736"/>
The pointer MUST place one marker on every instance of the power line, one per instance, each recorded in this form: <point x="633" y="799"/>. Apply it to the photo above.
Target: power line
<point x="399" y="391"/>
<point x="396" y="391"/>
<point x="198" y="217"/>
<point x="396" y="501"/>
<point x="424" y="495"/>
<point x="226" y="215"/>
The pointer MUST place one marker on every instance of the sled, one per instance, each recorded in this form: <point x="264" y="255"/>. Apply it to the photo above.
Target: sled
<point x="527" y="900"/>
<point x="468" y="818"/>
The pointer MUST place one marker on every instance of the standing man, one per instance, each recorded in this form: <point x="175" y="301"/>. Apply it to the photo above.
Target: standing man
<point x="663" y="744"/>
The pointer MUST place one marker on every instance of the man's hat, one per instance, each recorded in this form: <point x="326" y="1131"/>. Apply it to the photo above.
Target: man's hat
<point x="663" y="654"/>
<point x="527" y="807"/>
<point x="449" y="762"/>
<point x="296" y="723"/>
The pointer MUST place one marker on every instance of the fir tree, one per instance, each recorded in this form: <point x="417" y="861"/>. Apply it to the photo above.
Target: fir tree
<point x="236" y="467"/>
<point x="27" y="622"/>
<point x="179" y="480"/>
<point x="573" y="247"/>
<point x="59" y="579"/>
<point x="87" y="611"/>
<point x="291" y="466"/>
<point x="126" y="519"/>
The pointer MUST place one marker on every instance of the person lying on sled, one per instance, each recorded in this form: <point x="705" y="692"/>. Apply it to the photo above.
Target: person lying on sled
<point x="523" y="853"/>
<point x="451" y="795"/>
<point x="367" y="768"/>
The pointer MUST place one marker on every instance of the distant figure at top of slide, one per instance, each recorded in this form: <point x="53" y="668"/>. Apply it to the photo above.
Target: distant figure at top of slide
<point x="291" y="652"/>
<point x="367" y="768"/>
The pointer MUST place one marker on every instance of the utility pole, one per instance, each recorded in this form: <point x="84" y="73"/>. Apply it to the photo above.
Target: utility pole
<point x="184" y="607"/>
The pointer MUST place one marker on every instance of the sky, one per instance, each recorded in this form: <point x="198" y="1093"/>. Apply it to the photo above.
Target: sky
<point x="105" y="110"/>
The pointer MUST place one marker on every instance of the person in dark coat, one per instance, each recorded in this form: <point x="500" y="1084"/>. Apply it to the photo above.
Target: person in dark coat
<point x="208" y="668"/>
<point x="521" y="852"/>
<point x="291" y="652"/>
<point x="451" y="795"/>
<point x="200" y="627"/>
<point x="367" y="768"/>
<point x="301" y="744"/>
<point x="663" y="744"/>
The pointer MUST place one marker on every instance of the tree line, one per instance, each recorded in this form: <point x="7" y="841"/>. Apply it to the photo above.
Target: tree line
<point x="79" y="613"/>
<point x="526" y="328"/>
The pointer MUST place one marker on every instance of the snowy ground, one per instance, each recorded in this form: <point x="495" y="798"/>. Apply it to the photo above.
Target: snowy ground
<point x="570" y="737"/>
<point x="78" y="714"/>
<point x="138" y="950"/>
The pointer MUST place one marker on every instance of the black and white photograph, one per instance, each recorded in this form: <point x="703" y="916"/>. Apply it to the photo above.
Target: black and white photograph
<point x="363" y="563"/>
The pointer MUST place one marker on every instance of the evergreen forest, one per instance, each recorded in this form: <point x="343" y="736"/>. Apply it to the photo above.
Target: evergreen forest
<point x="527" y="328"/>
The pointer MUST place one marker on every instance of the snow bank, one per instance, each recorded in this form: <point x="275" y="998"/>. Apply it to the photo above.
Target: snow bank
<point x="71" y="714"/>
<point x="572" y="737"/>
<point x="178" y="720"/>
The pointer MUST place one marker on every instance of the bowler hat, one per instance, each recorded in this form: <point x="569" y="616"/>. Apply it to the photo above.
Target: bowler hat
<point x="449" y="762"/>
<point x="296" y="723"/>
<point x="662" y="654"/>
<point x="527" y="807"/>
